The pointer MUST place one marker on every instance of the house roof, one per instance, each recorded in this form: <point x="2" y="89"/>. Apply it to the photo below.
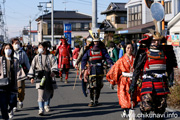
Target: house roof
<point x="115" y="7"/>
<point x="138" y="29"/>
<point x="65" y="15"/>
<point x="107" y="26"/>
<point x="174" y="20"/>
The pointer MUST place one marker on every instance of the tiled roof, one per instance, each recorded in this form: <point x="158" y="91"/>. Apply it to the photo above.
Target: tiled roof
<point x="115" y="7"/>
<point x="66" y="15"/>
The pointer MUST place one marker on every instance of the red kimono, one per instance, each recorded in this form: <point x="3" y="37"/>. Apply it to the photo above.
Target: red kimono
<point x="114" y="76"/>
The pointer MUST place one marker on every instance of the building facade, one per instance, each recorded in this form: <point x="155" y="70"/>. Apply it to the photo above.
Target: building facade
<point x="116" y="19"/>
<point x="80" y="24"/>
<point x="174" y="25"/>
<point x="139" y="14"/>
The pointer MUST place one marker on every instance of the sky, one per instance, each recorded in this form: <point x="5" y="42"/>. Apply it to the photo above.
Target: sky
<point x="18" y="13"/>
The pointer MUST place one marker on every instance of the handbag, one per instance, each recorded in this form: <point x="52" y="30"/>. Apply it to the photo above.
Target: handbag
<point x="54" y="83"/>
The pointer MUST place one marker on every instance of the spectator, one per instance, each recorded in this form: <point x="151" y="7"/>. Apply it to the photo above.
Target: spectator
<point x="121" y="51"/>
<point x="113" y="52"/>
<point x="24" y="62"/>
<point x="11" y="72"/>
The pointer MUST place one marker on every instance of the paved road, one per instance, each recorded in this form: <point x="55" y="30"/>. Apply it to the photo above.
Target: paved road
<point x="69" y="104"/>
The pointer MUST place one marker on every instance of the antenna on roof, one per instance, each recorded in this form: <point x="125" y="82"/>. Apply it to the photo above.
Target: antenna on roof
<point x="65" y="4"/>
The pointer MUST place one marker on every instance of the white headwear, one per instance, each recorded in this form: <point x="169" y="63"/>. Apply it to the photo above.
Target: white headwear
<point x="89" y="39"/>
<point x="96" y="39"/>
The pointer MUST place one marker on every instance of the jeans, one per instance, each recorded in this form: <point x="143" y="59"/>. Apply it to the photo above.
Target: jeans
<point x="12" y="101"/>
<point x="42" y="104"/>
<point x="4" y="105"/>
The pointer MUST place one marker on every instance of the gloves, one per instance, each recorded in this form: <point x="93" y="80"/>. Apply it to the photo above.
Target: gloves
<point x="131" y="89"/>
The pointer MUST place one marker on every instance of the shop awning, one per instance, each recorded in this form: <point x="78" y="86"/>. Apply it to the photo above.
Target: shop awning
<point x="144" y="28"/>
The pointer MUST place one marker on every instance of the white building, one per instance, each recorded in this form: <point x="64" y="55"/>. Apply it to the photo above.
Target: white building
<point x="34" y="38"/>
<point x="80" y="24"/>
<point x="139" y="18"/>
<point x="174" y="25"/>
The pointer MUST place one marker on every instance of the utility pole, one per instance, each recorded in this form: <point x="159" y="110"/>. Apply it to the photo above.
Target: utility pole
<point x="94" y="14"/>
<point x="163" y="21"/>
<point x="30" y="31"/>
<point x="52" y="22"/>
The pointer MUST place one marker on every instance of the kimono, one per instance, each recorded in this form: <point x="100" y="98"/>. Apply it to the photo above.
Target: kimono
<point x="117" y="75"/>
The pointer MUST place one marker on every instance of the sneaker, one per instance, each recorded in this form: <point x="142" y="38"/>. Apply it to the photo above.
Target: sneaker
<point x="20" y="104"/>
<point x="47" y="109"/>
<point x="14" y="109"/>
<point x="41" y="112"/>
<point x="11" y="114"/>
<point x="91" y="104"/>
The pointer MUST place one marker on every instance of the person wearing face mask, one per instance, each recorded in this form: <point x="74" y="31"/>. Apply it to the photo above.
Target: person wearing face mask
<point x="43" y="69"/>
<point x="94" y="56"/>
<point x="24" y="61"/>
<point x="10" y="73"/>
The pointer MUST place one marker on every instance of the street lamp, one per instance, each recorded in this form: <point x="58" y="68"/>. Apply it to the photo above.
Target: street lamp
<point x="40" y="7"/>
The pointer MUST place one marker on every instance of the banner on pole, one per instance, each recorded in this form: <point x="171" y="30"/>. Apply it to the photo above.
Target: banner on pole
<point x="67" y="32"/>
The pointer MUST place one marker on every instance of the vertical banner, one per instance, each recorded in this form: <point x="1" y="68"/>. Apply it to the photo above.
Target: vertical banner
<point x="67" y="32"/>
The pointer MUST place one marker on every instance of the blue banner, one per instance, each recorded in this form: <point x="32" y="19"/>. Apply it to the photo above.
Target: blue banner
<point x="67" y="32"/>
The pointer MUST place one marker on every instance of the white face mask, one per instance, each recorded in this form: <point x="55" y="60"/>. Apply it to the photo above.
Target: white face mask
<point x="8" y="52"/>
<point x="40" y="50"/>
<point x="16" y="46"/>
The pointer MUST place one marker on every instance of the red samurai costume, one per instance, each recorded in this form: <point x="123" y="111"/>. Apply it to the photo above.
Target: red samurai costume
<point x="64" y="51"/>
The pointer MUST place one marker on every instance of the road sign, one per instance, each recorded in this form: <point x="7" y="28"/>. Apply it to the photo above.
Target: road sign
<point x="148" y="3"/>
<point x="67" y="32"/>
<point x="157" y="11"/>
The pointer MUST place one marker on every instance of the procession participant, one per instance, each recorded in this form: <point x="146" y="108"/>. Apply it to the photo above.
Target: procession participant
<point x="24" y="61"/>
<point x="94" y="57"/>
<point x="64" y="51"/>
<point x="75" y="54"/>
<point x="121" y="74"/>
<point x="43" y="69"/>
<point x="155" y="61"/>
<point x="10" y="73"/>
<point x="82" y="51"/>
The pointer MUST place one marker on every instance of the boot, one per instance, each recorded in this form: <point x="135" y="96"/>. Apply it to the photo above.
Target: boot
<point x="66" y="81"/>
<point x="61" y="79"/>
